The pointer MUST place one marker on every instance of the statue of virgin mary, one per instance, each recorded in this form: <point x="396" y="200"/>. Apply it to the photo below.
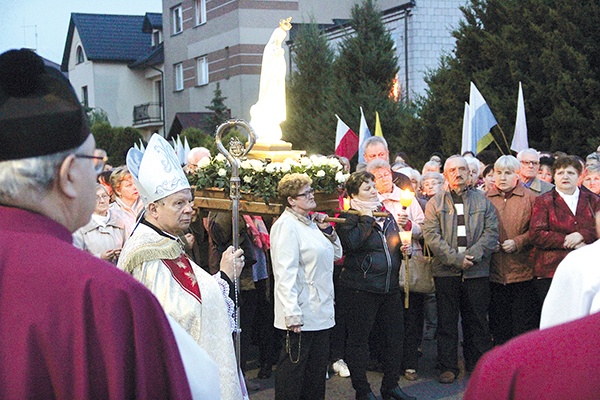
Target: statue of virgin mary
<point x="270" y="110"/>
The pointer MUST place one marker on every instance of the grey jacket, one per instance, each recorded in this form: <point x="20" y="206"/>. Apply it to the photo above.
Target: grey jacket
<point x="540" y="187"/>
<point x="440" y="234"/>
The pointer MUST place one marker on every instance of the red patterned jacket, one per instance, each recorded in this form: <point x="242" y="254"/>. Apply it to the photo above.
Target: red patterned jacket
<point x="552" y="220"/>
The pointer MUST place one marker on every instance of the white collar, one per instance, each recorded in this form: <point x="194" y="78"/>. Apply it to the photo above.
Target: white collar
<point x="570" y="199"/>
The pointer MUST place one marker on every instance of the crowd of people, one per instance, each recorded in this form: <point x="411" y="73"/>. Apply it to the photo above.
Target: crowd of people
<point x="507" y="242"/>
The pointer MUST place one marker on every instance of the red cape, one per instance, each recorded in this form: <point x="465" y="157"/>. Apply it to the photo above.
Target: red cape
<point x="75" y="327"/>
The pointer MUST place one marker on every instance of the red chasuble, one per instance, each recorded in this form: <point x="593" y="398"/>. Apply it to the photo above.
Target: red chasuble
<point x="73" y="326"/>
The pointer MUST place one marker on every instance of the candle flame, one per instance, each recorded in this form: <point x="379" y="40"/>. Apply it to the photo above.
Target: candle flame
<point x="406" y="197"/>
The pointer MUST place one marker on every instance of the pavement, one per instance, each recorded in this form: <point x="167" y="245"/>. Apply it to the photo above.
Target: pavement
<point x="425" y="388"/>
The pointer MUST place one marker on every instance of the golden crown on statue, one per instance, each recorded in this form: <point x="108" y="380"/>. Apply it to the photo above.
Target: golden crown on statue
<point x="285" y="24"/>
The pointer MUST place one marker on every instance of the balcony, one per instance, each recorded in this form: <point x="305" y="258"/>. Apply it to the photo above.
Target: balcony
<point x="147" y="114"/>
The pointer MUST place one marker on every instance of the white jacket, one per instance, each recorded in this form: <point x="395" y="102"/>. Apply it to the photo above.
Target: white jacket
<point x="303" y="259"/>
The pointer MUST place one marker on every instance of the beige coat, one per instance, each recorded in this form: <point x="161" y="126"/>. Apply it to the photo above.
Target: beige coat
<point x="96" y="239"/>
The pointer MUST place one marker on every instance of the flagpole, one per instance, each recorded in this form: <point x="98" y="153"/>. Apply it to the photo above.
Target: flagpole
<point x="504" y="137"/>
<point x="497" y="145"/>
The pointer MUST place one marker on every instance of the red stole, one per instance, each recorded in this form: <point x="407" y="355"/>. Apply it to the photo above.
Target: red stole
<point x="182" y="272"/>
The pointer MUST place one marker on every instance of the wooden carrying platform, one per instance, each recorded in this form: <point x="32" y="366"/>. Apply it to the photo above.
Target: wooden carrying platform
<point x="218" y="200"/>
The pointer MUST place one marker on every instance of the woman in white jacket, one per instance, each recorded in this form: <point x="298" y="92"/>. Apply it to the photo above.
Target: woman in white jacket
<point x="303" y="252"/>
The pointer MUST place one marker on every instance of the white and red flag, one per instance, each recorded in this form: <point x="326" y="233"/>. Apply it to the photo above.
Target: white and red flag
<point x="346" y="141"/>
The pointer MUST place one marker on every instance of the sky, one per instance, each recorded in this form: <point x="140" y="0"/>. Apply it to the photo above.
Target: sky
<point x="20" y="19"/>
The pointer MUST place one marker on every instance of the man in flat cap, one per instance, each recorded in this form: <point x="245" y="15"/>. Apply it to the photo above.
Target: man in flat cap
<point x="154" y="254"/>
<point x="71" y="326"/>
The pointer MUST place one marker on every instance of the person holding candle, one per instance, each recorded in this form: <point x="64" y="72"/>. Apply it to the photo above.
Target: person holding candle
<point x="461" y="230"/>
<point x="409" y="215"/>
<point x="369" y="287"/>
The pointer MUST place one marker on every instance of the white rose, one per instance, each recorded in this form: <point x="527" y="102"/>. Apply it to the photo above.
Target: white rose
<point x="257" y="165"/>
<point x="285" y="168"/>
<point x="247" y="179"/>
<point x="222" y="172"/>
<point x="317" y="160"/>
<point x="204" y="162"/>
<point x="305" y="162"/>
<point x="320" y="173"/>
<point x="270" y="168"/>
<point x="340" y="177"/>
<point x="245" y="164"/>
<point x="334" y="162"/>
<point x="220" y="157"/>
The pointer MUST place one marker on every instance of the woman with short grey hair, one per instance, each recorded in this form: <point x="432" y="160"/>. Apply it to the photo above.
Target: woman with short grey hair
<point x="514" y="305"/>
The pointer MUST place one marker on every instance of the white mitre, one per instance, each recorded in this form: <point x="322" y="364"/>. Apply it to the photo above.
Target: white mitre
<point x="156" y="170"/>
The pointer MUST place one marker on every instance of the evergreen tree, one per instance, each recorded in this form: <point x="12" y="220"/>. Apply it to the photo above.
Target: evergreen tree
<point x="549" y="46"/>
<point x="310" y="124"/>
<point x="217" y="105"/>
<point x="115" y="140"/>
<point x="96" y="115"/>
<point x="364" y="72"/>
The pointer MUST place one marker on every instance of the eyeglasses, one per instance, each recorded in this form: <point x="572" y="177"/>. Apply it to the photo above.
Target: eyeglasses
<point x="104" y="159"/>
<point x="309" y="192"/>
<point x="530" y="163"/>
<point x="103" y="197"/>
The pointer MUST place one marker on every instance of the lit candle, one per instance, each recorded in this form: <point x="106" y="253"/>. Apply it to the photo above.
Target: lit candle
<point x="346" y="203"/>
<point x="406" y="197"/>
<point x="405" y="237"/>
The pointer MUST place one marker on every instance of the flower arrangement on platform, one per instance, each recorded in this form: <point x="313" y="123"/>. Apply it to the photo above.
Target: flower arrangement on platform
<point x="260" y="178"/>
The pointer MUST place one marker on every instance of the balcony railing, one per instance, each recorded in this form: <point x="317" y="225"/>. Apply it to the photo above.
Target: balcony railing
<point x="147" y="113"/>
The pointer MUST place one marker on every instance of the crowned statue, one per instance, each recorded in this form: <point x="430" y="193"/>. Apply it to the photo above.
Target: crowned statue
<point x="270" y="110"/>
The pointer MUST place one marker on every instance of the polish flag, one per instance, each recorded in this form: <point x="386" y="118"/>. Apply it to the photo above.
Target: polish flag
<point x="346" y="141"/>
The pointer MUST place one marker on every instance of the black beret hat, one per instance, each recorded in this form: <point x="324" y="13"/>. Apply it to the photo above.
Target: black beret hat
<point x="39" y="111"/>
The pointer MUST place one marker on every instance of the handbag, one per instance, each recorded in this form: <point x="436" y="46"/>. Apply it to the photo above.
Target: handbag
<point x="420" y="275"/>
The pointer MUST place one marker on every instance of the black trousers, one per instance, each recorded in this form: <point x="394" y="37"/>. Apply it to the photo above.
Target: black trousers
<point x="414" y="316"/>
<point x="362" y="309"/>
<point x="301" y="371"/>
<point x="542" y="286"/>
<point x="470" y="299"/>
<point x="514" y="310"/>
<point x="256" y="320"/>
<point x="338" y="332"/>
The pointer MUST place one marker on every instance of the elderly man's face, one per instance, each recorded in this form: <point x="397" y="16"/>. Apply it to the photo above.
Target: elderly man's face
<point x="383" y="180"/>
<point x="84" y="169"/>
<point x="456" y="172"/>
<point x="376" y="151"/>
<point x="173" y="214"/>
<point x="530" y="165"/>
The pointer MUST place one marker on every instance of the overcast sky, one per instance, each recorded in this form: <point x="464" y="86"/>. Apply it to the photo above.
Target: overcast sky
<point x="19" y="20"/>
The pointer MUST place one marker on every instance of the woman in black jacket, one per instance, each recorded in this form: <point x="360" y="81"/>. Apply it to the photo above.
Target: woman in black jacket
<point x="370" y="287"/>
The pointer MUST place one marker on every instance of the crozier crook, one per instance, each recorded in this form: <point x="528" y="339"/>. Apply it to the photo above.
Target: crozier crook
<point x="236" y="152"/>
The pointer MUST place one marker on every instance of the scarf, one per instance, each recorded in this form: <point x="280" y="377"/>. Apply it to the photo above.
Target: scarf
<point x="360" y="205"/>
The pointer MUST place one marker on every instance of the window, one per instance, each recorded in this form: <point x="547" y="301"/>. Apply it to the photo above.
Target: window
<point x="156" y="37"/>
<point x="202" y="70"/>
<point x="179" y="76"/>
<point x="200" y="12"/>
<point x="80" y="57"/>
<point x="158" y="92"/>
<point x="84" y="96"/>
<point x="177" y="20"/>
